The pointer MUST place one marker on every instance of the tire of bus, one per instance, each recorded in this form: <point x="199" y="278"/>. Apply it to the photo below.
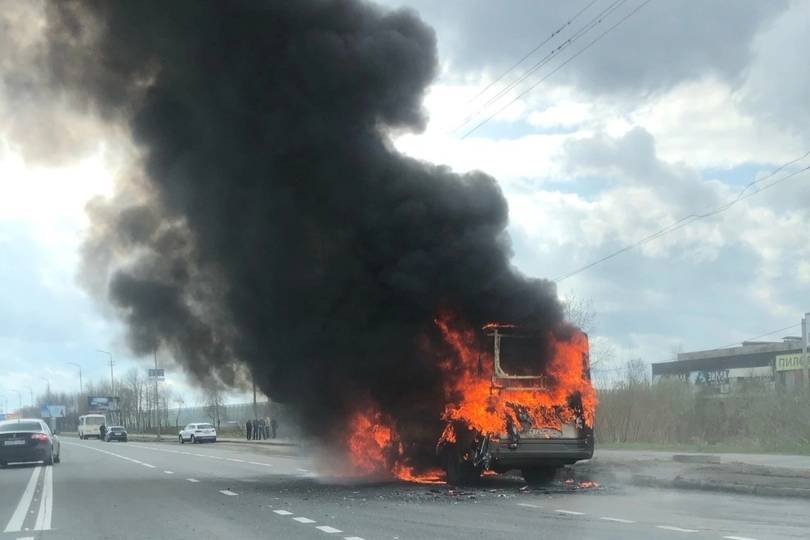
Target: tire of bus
<point x="539" y="475"/>
<point x="459" y="472"/>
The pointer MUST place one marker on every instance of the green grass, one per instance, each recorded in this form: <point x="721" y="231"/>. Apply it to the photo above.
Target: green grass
<point x="720" y="448"/>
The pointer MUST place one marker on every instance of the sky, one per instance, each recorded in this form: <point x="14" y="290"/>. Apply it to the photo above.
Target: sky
<point x="672" y="112"/>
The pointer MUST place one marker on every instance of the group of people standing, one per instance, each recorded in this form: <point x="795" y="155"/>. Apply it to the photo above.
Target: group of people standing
<point x="263" y="428"/>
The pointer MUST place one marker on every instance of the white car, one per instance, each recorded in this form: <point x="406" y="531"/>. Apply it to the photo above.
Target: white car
<point x="198" y="433"/>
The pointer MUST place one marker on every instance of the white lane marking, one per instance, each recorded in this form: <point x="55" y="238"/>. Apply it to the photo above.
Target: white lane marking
<point x="257" y="463"/>
<point x="235" y="460"/>
<point x="529" y="505"/>
<point x="282" y="512"/>
<point x="193" y="480"/>
<point x="26" y="538"/>
<point x="303" y="520"/>
<point x="353" y="538"/>
<point x="738" y="538"/>
<point x="570" y="512"/>
<point x="169" y="472"/>
<point x="131" y="460"/>
<point x="616" y="520"/>
<point x="328" y="529"/>
<point x="43" y="522"/>
<point x="228" y="492"/>
<point x="18" y="517"/>
<point x="299" y="469"/>
<point x="676" y="529"/>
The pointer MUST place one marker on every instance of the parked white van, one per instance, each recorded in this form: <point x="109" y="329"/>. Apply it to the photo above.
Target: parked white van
<point x="89" y="425"/>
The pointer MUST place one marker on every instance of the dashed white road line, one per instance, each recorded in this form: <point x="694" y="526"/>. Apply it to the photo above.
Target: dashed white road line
<point x="529" y="505"/>
<point x="125" y="458"/>
<point x="26" y="538"/>
<point x="18" y="517"/>
<point x="43" y="522"/>
<point x="299" y="469"/>
<point x="303" y="520"/>
<point x="228" y="492"/>
<point x="738" y="538"/>
<point x="353" y="538"/>
<point x="570" y="512"/>
<point x="327" y="529"/>
<point x="282" y="512"/>
<point x="616" y="520"/>
<point x="235" y="460"/>
<point x="193" y="480"/>
<point x="676" y="529"/>
<point x="169" y="472"/>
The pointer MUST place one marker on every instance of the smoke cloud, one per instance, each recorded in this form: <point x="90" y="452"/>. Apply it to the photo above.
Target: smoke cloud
<point x="270" y="224"/>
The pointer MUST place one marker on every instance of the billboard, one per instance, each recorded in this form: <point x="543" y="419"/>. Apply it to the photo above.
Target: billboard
<point x="789" y="362"/>
<point x="159" y="374"/>
<point x="102" y="403"/>
<point x="53" y="411"/>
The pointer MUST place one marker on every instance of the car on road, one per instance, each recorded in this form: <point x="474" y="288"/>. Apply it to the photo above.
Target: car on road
<point x="198" y="433"/>
<point x="26" y="440"/>
<point x="90" y="425"/>
<point x="116" y="433"/>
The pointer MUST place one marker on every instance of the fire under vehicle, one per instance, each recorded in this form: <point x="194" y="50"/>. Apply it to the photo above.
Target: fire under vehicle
<point x="516" y="412"/>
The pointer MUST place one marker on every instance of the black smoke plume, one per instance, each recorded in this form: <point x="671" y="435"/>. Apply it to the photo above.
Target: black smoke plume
<point x="271" y="224"/>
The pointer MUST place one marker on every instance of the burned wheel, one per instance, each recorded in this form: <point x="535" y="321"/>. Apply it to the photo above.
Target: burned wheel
<point x="459" y="471"/>
<point x="539" y="475"/>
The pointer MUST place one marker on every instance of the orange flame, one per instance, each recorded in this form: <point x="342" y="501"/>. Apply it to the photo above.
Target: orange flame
<point x="472" y="398"/>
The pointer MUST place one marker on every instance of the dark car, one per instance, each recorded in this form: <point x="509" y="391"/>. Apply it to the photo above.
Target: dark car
<point x="116" y="433"/>
<point x="27" y="439"/>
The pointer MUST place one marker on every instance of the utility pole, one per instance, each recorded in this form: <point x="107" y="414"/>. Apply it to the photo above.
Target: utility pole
<point x="805" y="358"/>
<point x="157" y="397"/>
<point x="112" y="375"/>
<point x="255" y="410"/>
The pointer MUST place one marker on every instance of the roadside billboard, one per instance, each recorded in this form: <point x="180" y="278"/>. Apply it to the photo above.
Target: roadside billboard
<point x="102" y="403"/>
<point x="53" y="411"/>
<point x="789" y="362"/>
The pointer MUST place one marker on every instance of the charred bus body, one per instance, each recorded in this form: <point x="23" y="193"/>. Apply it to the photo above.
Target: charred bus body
<point x="547" y="410"/>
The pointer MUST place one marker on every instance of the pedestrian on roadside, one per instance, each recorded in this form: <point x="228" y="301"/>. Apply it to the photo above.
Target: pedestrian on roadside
<point x="273" y="427"/>
<point x="102" y="430"/>
<point x="261" y="428"/>
<point x="248" y="429"/>
<point x="266" y="428"/>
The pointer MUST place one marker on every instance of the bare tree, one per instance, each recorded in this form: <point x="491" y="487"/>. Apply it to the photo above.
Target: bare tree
<point x="214" y="405"/>
<point x="580" y="313"/>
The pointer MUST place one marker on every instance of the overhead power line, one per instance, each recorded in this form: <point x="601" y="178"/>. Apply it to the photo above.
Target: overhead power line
<point x="531" y="52"/>
<point x="558" y="68"/>
<point x="772" y="332"/>
<point x="595" y="21"/>
<point x="686" y="220"/>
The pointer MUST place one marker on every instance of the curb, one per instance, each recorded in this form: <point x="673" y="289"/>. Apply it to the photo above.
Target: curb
<point x="724" y="487"/>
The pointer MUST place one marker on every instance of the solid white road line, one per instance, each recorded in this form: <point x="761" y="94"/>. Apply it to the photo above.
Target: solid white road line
<point x="570" y="512"/>
<point x="282" y="512"/>
<point x="18" y="517"/>
<point x="193" y="480"/>
<point x="529" y="505"/>
<point x="169" y="472"/>
<point x="228" y="492"/>
<point x="676" y="529"/>
<point x="303" y="520"/>
<point x="43" y="522"/>
<point x="125" y="458"/>
<point x="328" y="529"/>
<point x="616" y="520"/>
<point x="738" y="538"/>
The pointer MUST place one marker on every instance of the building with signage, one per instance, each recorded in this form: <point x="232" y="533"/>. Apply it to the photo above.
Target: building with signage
<point x="778" y="363"/>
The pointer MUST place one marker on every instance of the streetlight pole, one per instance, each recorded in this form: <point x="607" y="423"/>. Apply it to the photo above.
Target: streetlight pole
<point x="805" y="359"/>
<point x="19" y="397"/>
<point x="81" y="389"/>
<point x="47" y="388"/>
<point x="112" y="376"/>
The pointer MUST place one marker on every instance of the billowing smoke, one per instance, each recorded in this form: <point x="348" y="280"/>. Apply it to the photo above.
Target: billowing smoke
<point x="270" y="223"/>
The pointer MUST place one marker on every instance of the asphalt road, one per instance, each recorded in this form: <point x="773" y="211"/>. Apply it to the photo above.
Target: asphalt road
<point x="169" y="491"/>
